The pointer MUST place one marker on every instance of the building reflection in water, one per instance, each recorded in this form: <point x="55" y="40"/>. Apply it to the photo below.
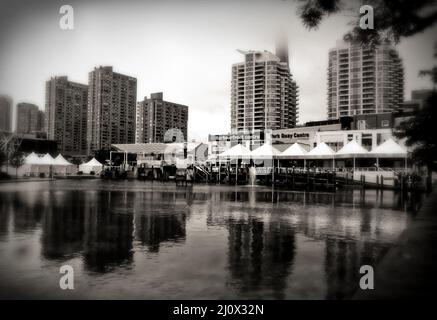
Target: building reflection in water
<point x="260" y="256"/>
<point x="357" y="227"/>
<point x="101" y="225"/>
<point x="269" y="237"/>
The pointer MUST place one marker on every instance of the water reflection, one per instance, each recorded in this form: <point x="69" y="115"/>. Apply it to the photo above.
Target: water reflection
<point x="268" y="240"/>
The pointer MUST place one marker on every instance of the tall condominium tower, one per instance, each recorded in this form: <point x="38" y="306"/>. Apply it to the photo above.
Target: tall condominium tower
<point x="29" y="118"/>
<point x="363" y="80"/>
<point x="66" y="115"/>
<point x="155" y="117"/>
<point x="263" y="93"/>
<point x="5" y="113"/>
<point x="112" y="100"/>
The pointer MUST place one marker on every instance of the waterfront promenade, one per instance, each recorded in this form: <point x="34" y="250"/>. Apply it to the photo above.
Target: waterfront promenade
<point x="408" y="271"/>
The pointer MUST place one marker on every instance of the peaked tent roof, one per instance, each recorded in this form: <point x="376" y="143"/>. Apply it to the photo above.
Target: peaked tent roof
<point x="295" y="150"/>
<point x="32" y="158"/>
<point x="92" y="162"/>
<point x="60" y="160"/>
<point x="237" y="151"/>
<point x="322" y="150"/>
<point x="389" y="148"/>
<point x="266" y="150"/>
<point x="351" y="149"/>
<point x="47" y="159"/>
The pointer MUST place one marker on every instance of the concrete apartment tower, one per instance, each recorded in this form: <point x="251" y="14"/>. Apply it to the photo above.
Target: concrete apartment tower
<point x="66" y="115"/>
<point x="362" y="80"/>
<point x="263" y="93"/>
<point x="29" y="118"/>
<point x="159" y="120"/>
<point x="5" y="114"/>
<point x="112" y="102"/>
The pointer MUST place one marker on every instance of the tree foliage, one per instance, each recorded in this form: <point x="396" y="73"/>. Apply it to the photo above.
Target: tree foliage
<point x="393" y="19"/>
<point x="420" y="130"/>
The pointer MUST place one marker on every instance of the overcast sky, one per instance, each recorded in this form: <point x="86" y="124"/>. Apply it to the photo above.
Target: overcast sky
<point x="182" y="48"/>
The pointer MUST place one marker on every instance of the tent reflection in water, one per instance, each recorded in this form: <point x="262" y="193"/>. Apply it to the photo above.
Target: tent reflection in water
<point x="91" y="166"/>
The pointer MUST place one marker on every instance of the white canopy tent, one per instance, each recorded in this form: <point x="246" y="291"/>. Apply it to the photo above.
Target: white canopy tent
<point x="236" y="152"/>
<point x="60" y="161"/>
<point x="32" y="159"/>
<point x="295" y="151"/>
<point x="351" y="150"/>
<point x="62" y="166"/>
<point x="389" y="149"/>
<point x="265" y="151"/>
<point x="47" y="160"/>
<point x="322" y="151"/>
<point x="91" y="166"/>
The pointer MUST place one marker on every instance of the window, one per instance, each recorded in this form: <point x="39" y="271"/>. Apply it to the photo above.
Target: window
<point x="385" y="123"/>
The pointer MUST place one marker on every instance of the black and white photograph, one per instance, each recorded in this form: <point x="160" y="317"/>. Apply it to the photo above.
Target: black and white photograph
<point x="218" y="150"/>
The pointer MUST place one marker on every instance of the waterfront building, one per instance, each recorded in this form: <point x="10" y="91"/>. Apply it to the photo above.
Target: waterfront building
<point x="160" y="121"/>
<point x="29" y="118"/>
<point x="111" y="109"/>
<point x="219" y="143"/>
<point x="164" y="154"/>
<point x="362" y="80"/>
<point x="5" y="114"/>
<point x="263" y="93"/>
<point x="66" y="115"/>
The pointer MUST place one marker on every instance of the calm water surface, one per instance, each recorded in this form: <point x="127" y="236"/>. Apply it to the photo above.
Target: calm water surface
<point x="130" y="239"/>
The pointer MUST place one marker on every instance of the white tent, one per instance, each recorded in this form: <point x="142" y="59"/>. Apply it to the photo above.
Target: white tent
<point x="265" y="151"/>
<point x="92" y="165"/>
<point x="62" y="166"/>
<point x="389" y="149"/>
<point x="32" y="159"/>
<point x="294" y="151"/>
<point x="351" y="150"/>
<point x="322" y="151"/>
<point x="236" y="152"/>
<point x="60" y="161"/>
<point x="47" y="160"/>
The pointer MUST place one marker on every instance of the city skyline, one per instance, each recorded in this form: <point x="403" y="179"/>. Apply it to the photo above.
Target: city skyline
<point x="177" y="58"/>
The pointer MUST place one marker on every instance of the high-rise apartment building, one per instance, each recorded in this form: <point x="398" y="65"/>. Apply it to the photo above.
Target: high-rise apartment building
<point x="5" y="113"/>
<point x="111" y="109"/>
<point x="263" y="93"/>
<point x="66" y="115"/>
<point x="156" y="117"/>
<point x="29" y="118"/>
<point x="363" y="80"/>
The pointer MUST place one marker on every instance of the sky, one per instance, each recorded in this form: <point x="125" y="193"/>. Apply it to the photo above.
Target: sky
<point x="183" y="48"/>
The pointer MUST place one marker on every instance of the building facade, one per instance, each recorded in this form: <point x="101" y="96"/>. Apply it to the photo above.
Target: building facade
<point x="111" y="109"/>
<point x="5" y="114"/>
<point x="362" y="80"/>
<point x="29" y="118"/>
<point x="161" y="121"/>
<point x="263" y="93"/>
<point x="66" y="115"/>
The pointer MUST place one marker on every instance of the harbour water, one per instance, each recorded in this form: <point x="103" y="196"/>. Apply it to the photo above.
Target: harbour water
<point x="145" y="240"/>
